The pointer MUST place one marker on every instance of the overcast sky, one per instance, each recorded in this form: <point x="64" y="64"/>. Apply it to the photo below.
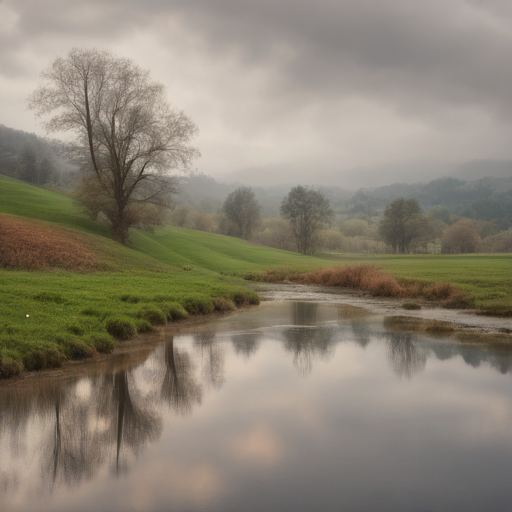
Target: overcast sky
<point x="324" y="85"/>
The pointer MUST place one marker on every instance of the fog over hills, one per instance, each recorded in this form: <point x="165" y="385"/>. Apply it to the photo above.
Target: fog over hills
<point x="367" y="177"/>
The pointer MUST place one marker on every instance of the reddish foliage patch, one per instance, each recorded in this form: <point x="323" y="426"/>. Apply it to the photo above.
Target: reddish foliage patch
<point x="27" y="244"/>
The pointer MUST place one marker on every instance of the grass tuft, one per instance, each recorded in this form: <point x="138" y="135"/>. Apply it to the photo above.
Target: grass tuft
<point x="101" y="341"/>
<point x="152" y="314"/>
<point x="43" y="356"/>
<point x="143" y="325"/>
<point x="9" y="367"/>
<point x="222" y="305"/>
<point x="121" y="327"/>
<point x="198" y="304"/>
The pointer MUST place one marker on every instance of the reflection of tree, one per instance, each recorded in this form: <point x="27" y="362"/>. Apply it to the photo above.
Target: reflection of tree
<point x="304" y="313"/>
<point x="212" y="356"/>
<point x="131" y="423"/>
<point x="246" y="343"/>
<point x="179" y="388"/>
<point x="70" y="452"/>
<point x="362" y="331"/>
<point x="305" y="340"/>
<point x="405" y="358"/>
<point x="306" y="344"/>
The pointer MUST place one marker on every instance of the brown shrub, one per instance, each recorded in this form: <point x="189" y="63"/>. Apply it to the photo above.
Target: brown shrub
<point x="28" y="244"/>
<point x="439" y="291"/>
<point x="362" y="277"/>
<point x="368" y="278"/>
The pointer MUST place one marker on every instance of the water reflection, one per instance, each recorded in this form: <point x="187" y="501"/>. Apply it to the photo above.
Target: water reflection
<point x="405" y="357"/>
<point x="306" y="341"/>
<point x="129" y="422"/>
<point x="180" y="389"/>
<point x="60" y="434"/>
<point x="246" y="344"/>
<point x="212" y="359"/>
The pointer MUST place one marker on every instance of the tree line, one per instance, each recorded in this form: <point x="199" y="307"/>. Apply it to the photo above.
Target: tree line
<point x="129" y="143"/>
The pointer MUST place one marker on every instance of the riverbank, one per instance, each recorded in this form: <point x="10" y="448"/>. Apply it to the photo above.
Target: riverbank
<point x="125" y="355"/>
<point x="462" y="319"/>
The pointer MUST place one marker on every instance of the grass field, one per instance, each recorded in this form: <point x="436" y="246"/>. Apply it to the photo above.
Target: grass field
<point x="72" y="313"/>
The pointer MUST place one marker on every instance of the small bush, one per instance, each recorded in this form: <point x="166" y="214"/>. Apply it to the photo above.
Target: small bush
<point x="121" y="327"/>
<point x="411" y="305"/>
<point x="439" y="291"/>
<point x="143" y="325"/>
<point x="101" y="341"/>
<point x="174" y="311"/>
<point x="152" y="314"/>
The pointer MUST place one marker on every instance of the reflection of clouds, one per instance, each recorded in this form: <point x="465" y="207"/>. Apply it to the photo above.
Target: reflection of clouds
<point x="259" y="446"/>
<point x="405" y="357"/>
<point x="167" y="485"/>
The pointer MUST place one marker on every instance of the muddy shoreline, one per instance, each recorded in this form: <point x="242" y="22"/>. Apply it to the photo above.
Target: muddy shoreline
<point x="464" y="319"/>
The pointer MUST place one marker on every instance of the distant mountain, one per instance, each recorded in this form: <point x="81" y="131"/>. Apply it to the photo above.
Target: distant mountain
<point x="477" y="169"/>
<point x="312" y="173"/>
<point x="406" y="172"/>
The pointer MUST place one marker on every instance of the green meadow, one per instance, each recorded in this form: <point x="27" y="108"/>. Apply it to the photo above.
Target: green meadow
<point x="49" y="316"/>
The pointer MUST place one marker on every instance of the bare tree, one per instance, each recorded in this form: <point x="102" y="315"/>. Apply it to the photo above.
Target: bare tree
<point x="125" y="126"/>
<point x="461" y="237"/>
<point x="308" y="211"/>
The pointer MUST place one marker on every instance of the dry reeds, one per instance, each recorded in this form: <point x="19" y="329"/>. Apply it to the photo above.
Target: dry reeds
<point x="31" y="245"/>
<point x="368" y="278"/>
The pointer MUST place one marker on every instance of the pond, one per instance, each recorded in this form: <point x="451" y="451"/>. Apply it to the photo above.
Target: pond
<point x="289" y="406"/>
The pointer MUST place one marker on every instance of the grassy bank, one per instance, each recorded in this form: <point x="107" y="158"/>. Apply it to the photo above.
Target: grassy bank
<point x="48" y="317"/>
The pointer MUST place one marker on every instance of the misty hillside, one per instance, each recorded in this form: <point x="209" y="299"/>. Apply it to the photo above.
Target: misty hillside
<point x="488" y="199"/>
<point x="480" y="189"/>
<point x="33" y="159"/>
<point x="361" y="177"/>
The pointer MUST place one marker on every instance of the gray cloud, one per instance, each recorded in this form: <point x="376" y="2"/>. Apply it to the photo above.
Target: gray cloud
<point x="343" y="82"/>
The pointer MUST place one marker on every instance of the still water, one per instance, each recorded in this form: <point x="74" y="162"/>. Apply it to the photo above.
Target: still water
<point x="292" y="406"/>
